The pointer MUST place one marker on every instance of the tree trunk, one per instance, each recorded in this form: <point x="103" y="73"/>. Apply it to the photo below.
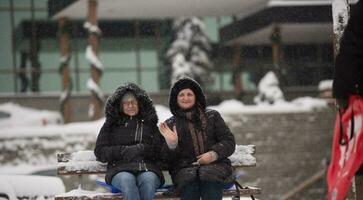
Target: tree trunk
<point x="64" y="70"/>
<point x="96" y="102"/>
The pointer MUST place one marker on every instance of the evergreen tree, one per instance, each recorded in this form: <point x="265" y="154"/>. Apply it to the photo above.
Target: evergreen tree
<point x="189" y="51"/>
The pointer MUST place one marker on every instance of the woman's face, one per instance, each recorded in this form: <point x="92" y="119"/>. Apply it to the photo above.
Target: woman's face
<point x="186" y="99"/>
<point x="130" y="106"/>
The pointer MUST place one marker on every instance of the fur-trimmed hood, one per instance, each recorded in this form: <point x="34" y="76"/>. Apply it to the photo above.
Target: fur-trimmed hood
<point x="147" y="110"/>
<point x="184" y="83"/>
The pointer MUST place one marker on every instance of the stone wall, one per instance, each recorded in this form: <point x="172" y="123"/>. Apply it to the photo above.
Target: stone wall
<point x="290" y="148"/>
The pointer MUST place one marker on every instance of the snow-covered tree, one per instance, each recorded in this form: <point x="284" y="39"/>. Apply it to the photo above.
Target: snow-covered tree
<point x="269" y="91"/>
<point x="188" y="53"/>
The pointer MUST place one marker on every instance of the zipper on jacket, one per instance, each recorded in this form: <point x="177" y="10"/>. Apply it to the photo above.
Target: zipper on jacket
<point x="141" y="130"/>
<point x="137" y="131"/>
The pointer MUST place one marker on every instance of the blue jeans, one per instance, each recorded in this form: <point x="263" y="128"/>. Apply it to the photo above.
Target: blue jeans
<point x="139" y="186"/>
<point x="205" y="189"/>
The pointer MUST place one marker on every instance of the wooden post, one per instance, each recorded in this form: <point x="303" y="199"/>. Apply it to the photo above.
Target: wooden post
<point x="63" y="32"/>
<point x="97" y="98"/>
<point x="237" y="71"/>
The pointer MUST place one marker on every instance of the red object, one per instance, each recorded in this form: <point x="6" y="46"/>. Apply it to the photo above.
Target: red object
<point x="347" y="149"/>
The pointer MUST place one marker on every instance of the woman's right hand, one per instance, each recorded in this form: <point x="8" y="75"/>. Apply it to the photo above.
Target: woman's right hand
<point x="171" y="136"/>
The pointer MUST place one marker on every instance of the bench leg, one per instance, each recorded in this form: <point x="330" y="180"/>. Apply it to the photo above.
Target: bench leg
<point x="252" y="197"/>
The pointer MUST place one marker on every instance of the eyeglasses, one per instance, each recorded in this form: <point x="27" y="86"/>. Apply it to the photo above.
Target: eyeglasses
<point x="131" y="103"/>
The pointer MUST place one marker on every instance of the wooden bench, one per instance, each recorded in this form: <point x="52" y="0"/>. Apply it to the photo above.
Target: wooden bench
<point x="84" y="163"/>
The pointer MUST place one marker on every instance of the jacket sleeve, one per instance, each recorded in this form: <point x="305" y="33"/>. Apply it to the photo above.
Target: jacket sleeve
<point x="226" y="144"/>
<point x="104" y="152"/>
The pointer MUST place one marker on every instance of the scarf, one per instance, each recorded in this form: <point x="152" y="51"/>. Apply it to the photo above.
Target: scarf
<point x="196" y="125"/>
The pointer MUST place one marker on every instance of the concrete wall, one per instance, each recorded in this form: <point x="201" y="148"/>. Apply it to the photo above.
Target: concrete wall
<point x="290" y="148"/>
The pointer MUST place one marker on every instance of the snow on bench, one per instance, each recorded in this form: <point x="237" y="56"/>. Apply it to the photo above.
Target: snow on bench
<point x="84" y="163"/>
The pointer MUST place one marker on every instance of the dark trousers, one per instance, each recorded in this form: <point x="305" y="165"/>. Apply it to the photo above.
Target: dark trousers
<point x="202" y="189"/>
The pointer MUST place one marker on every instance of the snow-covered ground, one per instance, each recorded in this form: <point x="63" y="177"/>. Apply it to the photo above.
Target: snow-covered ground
<point x="303" y="104"/>
<point x="14" y="115"/>
<point x="31" y="186"/>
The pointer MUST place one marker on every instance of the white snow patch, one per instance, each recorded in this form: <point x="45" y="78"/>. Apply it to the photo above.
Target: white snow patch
<point x="80" y="192"/>
<point x="162" y="112"/>
<point x="92" y="58"/>
<point x="325" y="85"/>
<point x="302" y="104"/>
<point x="24" y="169"/>
<point x="269" y="91"/>
<point x="33" y="185"/>
<point x="92" y="127"/>
<point x="92" y="28"/>
<point x="242" y="156"/>
<point x="24" y="116"/>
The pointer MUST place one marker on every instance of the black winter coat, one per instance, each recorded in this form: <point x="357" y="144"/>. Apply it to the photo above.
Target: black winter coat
<point x="218" y="138"/>
<point x="129" y="143"/>
<point x="348" y="75"/>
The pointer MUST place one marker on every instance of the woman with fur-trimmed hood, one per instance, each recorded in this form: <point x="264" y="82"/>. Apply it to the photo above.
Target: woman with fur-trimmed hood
<point x="198" y="144"/>
<point x="129" y="142"/>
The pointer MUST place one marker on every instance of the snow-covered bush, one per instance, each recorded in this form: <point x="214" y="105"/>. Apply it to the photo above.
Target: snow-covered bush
<point x="269" y="91"/>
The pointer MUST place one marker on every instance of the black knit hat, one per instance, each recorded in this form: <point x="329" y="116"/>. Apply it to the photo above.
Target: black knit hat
<point x="185" y="83"/>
